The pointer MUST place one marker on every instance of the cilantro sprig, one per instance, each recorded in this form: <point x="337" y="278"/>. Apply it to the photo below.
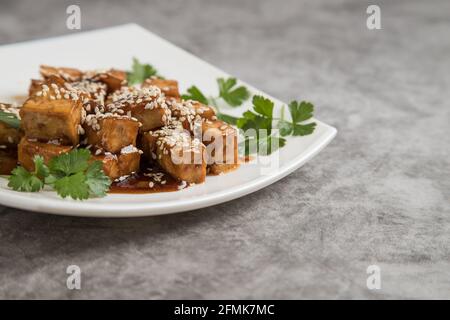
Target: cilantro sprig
<point x="10" y="119"/>
<point x="72" y="174"/>
<point x="141" y="71"/>
<point x="233" y="94"/>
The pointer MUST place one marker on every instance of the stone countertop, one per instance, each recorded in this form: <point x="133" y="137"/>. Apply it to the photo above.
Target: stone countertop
<point x="377" y="195"/>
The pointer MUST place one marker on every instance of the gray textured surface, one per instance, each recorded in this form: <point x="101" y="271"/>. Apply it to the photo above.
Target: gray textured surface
<point x="379" y="194"/>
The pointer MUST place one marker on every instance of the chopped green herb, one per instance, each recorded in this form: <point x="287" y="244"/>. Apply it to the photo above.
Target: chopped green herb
<point x="233" y="95"/>
<point x="72" y="174"/>
<point x="140" y="72"/>
<point x="10" y="119"/>
<point x="194" y="93"/>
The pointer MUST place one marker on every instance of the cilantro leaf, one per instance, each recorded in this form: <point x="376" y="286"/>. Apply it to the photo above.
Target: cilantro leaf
<point x="227" y="118"/>
<point x="71" y="162"/>
<point x="194" y="93"/>
<point x="23" y="180"/>
<point x="233" y="95"/>
<point x="285" y="127"/>
<point x="96" y="179"/>
<point x="263" y="106"/>
<point x="10" y="119"/>
<point x="270" y="144"/>
<point x="301" y="112"/>
<point x="74" y="186"/>
<point x="41" y="170"/>
<point x="251" y="120"/>
<point x="304" y="129"/>
<point x="139" y="72"/>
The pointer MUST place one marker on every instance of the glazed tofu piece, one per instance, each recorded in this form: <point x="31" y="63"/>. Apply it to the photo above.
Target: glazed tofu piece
<point x="120" y="165"/>
<point x="168" y="87"/>
<point x="111" y="134"/>
<point x="9" y="135"/>
<point x="68" y="74"/>
<point x="147" y="105"/>
<point x="190" y="112"/>
<point x="8" y="161"/>
<point x="28" y="149"/>
<point x="53" y="113"/>
<point x="114" y="79"/>
<point x="221" y="144"/>
<point x="35" y="86"/>
<point x="177" y="153"/>
<point x="94" y="93"/>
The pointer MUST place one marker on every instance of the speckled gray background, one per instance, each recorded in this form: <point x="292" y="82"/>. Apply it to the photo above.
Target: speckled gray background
<point x="379" y="194"/>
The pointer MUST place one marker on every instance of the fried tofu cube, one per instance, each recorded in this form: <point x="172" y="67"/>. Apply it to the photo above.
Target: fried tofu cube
<point x="177" y="153"/>
<point x="29" y="148"/>
<point x="68" y="74"/>
<point x="93" y="93"/>
<point x="35" y="86"/>
<point x="204" y="111"/>
<point x="8" y="161"/>
<point x="111" y="133"/>
<point x="168" y="87"/>
<point x="221" y="144"/>
<point x="116" y="166"/>
<point x="189" y="112"/>
<point x="113" y="79"/>
<point x="147" y="105"/>
<point x="9" y="135"/>
<point x="53" y="113"/>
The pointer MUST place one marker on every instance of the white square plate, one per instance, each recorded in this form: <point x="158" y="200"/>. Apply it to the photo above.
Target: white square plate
<point x="100" y="49"/>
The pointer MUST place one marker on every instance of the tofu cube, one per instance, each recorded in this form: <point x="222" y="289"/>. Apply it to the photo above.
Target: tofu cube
<point x="53" y="113"/>
<point x="168" y="87"/>
<point x="68" y="74"/>
<point x="111" y="133"/>
<point x="147" y="105"/>
<point x="9" y="136"/>
<point x="113" y="79"/>
<point x="8" y="161"/>
<point x="189" y="112"/>
<point x="116" y="166"/>
<point x="221" y="144"/>
<point x="35" y="86"/>
<point x="177" y="153"/>
<point x="28" y="149"/>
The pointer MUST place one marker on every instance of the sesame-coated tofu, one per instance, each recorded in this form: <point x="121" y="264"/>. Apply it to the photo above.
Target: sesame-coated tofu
<point x="190" y="112"/>
<point x="113" y="79"/>
<point x="177" y="153"/>
<point x="69" y="74"/>
<point x="147" y="105"/>
<point x="116" y="166"/>
<point x="8" y="161"/>
<point x="9" y="136"/>
<point x="35" y="86"/>
<point x="221" y="144"/>
<point x="28" y="149"/>
<point x="111" y="134"/>
<point x="54" y="113"/>
<point x="168" y="87"/>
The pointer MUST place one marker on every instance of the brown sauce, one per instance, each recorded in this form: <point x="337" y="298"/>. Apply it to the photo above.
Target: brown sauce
<point x="149" y="180"/>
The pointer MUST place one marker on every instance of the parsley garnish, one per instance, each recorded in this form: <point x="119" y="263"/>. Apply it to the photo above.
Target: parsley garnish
<point x="72" y="174"/>
<point x="140" y="72"/>
<point x="300" y="112"/>
<point x="194" y="93"/>
<point x="10" y="119"/>
<point x="232" y="94"/>
<point x="261" y="118"/>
